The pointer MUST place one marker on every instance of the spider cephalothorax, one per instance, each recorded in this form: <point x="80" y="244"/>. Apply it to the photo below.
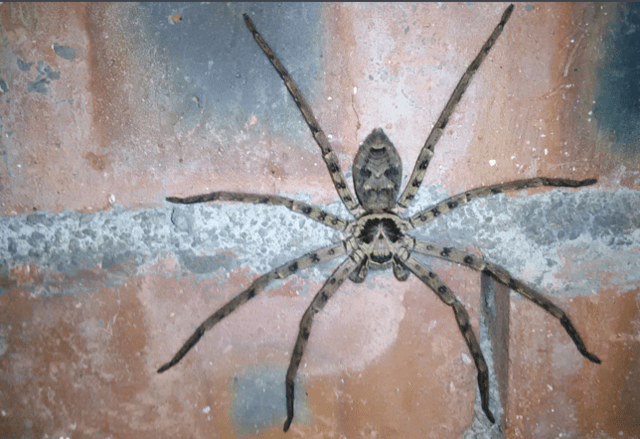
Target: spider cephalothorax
<point x="380" y="242"/>
<point x="377" y="238"/>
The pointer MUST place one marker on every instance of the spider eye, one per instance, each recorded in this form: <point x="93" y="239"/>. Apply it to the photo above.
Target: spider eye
<point x="381" y="259"/>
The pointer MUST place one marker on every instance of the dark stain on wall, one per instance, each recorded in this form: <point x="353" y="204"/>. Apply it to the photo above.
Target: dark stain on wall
<point x="209" y="52"/>
<point x="617" y="107"/>
<point x="45" y="75"/>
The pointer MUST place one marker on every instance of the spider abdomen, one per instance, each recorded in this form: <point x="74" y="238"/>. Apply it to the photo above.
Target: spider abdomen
<point x="377" y="173"/>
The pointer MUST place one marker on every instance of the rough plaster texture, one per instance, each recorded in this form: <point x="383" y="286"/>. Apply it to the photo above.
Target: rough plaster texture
<point x="108" y="108"/>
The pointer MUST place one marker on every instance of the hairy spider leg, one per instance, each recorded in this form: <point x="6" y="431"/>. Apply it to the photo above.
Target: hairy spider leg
<point x="503" y="276"/>
<point x="463" y="198"/>
<point x="462" y="318"/>
<point x="308" y="260"/>
<point x="420" y="168"/>
<point x="319" y="301"/>
<point x="309" y="211"/>
<point x="328" y="155"/>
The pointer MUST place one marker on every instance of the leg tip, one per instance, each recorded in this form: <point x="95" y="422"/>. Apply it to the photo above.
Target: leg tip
<point x="593" y="358"/>
<point x="248" y="22"/>
<point x="507" y="13"/>
<point x="489" y="415"/>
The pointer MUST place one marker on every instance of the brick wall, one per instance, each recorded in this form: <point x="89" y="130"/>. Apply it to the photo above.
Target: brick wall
<point x="106" y="109"/>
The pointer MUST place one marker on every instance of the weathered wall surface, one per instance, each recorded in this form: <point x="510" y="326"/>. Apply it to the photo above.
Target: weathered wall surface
<point x="106" y="109"/>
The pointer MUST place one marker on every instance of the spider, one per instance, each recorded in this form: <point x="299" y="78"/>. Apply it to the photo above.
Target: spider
<point x="377" y="238"/>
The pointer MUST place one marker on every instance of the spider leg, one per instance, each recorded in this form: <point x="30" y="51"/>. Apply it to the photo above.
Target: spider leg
<point x="503" y="276"/>
<point x="309" y="211"/>
<point x="319" y="301"/>
<point x="308" y="260"/>
<point x="420" y="168"/>
<point x="446" y="295"/>
<point x="458" y="200"/>
<point x="328" y="155"/>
